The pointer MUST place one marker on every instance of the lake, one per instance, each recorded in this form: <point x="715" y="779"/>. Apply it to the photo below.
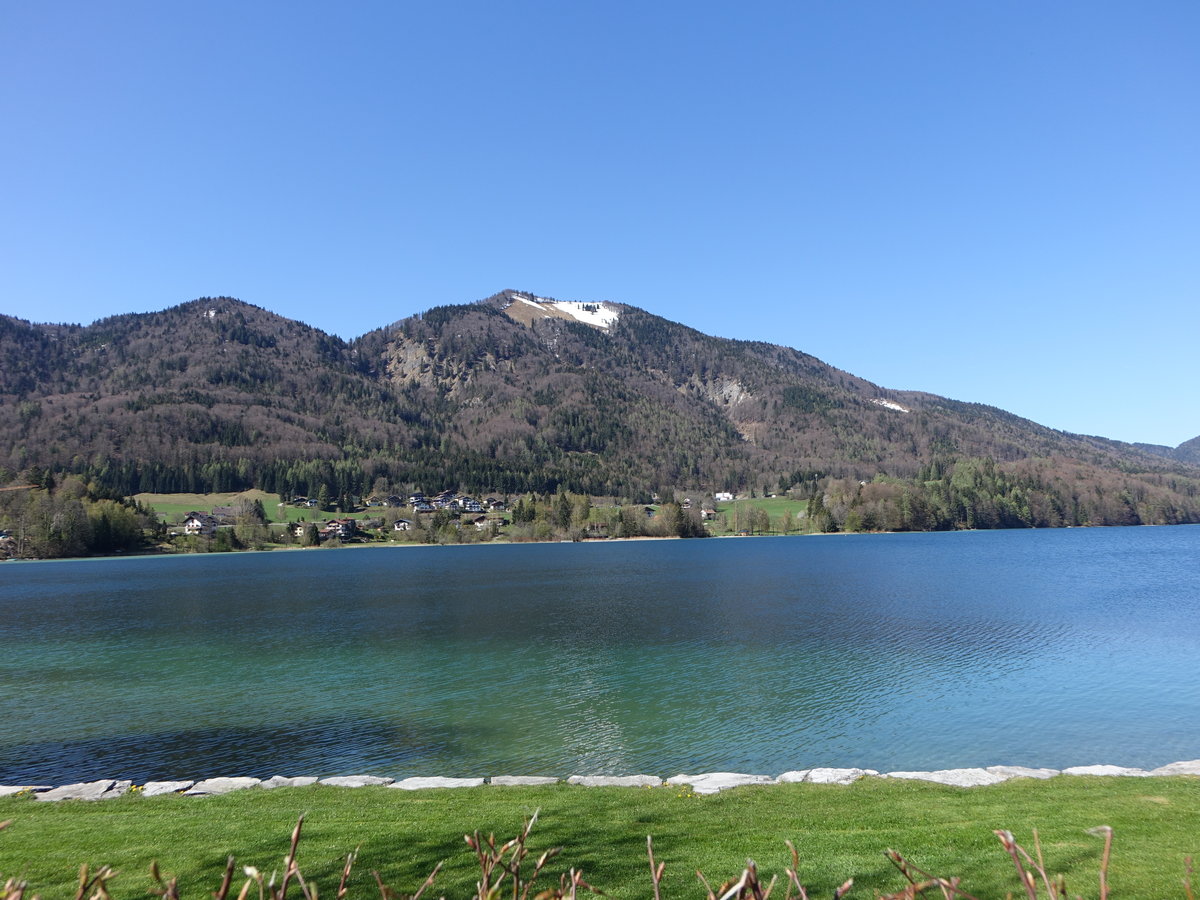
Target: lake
<point x="903" y="651"/>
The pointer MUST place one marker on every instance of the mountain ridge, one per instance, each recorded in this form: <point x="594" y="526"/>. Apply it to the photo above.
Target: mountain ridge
<point x="513" y="392"/>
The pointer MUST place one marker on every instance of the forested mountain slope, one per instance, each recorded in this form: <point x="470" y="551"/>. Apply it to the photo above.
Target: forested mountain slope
<point x="515" y="393"/>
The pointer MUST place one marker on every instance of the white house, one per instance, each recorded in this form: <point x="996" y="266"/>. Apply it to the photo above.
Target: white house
<point x="199" y="523"/>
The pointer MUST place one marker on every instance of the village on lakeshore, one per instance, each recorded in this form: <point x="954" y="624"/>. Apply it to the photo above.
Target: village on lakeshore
<point x="450" y="516"/>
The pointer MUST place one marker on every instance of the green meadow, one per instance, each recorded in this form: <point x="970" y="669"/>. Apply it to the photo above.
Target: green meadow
<point x="839" y="832"/>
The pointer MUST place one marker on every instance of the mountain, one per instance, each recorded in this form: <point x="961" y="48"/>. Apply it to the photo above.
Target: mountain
<point x="1187" y="452"/>
<point x="517" y="393"/>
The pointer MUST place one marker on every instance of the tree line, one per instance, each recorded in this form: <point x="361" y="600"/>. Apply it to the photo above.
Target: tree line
<point x="52" y="519"/>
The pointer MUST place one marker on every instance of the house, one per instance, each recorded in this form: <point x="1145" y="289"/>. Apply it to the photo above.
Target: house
<point x="199" y="523"/>
<point x="723" y="497"/>
<point x="298" y="529"/>
<point x="422" y="506"/>
<point x="480" y="522"/>
<point x="401" y="525"/>
<point x="339" y="528"/>
<point x="224" y="514"/>
<point x="707" y="513"/>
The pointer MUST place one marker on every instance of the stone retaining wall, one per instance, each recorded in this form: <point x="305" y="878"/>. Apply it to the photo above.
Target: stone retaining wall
<point x="706" y="783"/>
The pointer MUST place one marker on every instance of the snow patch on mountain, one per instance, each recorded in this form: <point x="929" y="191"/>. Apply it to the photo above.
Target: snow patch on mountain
<point x="598" y="315"/>
<point x="888" y="404"/>
<point x="595" y="314"/>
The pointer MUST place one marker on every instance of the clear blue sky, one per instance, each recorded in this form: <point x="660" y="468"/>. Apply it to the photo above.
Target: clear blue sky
<point x="993" y="201"/>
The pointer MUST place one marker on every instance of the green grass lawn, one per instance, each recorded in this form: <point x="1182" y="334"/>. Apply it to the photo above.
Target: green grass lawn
<point x="776" y="508"/>
<point x="839" y="831"/>
<point x="173" y="507"/>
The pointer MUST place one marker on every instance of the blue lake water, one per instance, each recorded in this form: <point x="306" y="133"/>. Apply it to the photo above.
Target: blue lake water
<point x="921" y="651"/>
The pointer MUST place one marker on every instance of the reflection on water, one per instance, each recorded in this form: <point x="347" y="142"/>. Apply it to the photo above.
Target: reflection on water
<point x="893" y="652"/>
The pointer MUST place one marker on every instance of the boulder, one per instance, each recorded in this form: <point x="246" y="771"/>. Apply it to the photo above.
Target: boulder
<point x="276" y="781"/>
<point x="154" y="788"/>
<point x="522" y="780"/>
<point x="221" y="786"/>
<point x="1189" y="767"/>
<point x="711" y="782"/>
<point x="954" y="777"/>
<point x="1106" y="770"/>
<point x="793" y="777"/>
<point x="105" y="789"/>
<point x="615" y="780"/>
<point x="836" y="776"/>
<point x="418" y="784"/>
<point x="1022" y="772"/>
<point x="118" y="789"/>
<point x="354" y="781"/>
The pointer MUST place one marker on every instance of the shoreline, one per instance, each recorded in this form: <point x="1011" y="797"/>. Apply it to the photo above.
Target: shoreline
<point x="703" y="783"/>
<point x="283" y="548"/>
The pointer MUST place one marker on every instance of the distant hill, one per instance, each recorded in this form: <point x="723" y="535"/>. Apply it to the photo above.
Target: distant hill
<point x="1187" y="452"/>
<point x="517" y="393"/>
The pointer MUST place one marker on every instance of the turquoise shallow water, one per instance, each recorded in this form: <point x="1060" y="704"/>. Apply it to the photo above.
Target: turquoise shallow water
<point x="924" y="651"/>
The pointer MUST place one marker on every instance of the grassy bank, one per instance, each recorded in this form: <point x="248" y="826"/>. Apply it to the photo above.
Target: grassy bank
<point x="840" y="832"/>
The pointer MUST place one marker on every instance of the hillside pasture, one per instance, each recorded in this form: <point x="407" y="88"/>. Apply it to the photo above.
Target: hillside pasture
<point x="173" y="507"/>
<point x="737" y="512"/>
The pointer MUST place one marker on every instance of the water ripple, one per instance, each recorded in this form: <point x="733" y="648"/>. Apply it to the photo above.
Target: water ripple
<point x="900" y="651"/>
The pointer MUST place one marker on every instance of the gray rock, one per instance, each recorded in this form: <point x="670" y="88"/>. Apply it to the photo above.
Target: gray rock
<point x="615" y="780"/>
<point x="1106" y="770"/>
<point x="954" y="777"/>
<point x="104" y="789"/>
<point x="793" y="777"/>
<point x="276" y="781"/>
<point x="221" y="786"/>
<point x="118" y="789"/>
<point x="154" y="788"/>
<point x="1190" y="767"/>
<point x="711" y="782"/>
<point x="822" y="775"/>
<point x="522" y="780"/>
<point x="84" y="790"/>
<point x="1022" y="772"/>
<point x="418" y="784"/>
<point x="7" y="790"/>
<point x="354" y="781"/>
